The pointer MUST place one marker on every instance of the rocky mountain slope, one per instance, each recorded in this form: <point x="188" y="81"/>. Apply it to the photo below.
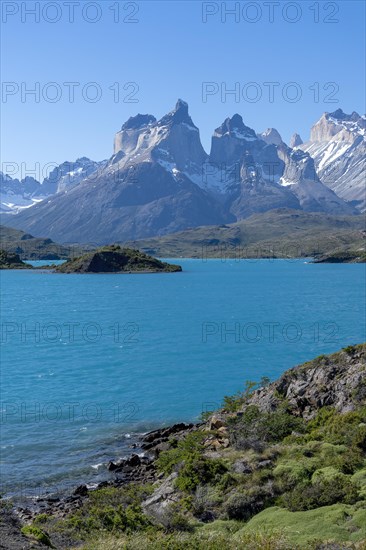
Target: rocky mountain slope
<point x="160" y="180"/>
<point x="338" y="146"/>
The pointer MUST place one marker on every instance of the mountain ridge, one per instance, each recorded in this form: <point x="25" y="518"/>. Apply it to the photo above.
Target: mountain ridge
<point x="160" y="180"/>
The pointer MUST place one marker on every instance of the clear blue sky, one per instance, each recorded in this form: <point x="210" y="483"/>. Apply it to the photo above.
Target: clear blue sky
<point x="169" y="52"/>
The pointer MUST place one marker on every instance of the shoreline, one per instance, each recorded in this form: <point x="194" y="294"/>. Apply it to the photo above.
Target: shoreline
<point x="137" y="467"/>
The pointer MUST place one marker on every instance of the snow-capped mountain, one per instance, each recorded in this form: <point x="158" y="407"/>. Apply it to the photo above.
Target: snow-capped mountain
<point x="148" y="187"/>
<point x="160" y="180"/>
<point x="16" y="195"/>
<point x="68" y="174"/>
<point x="173" y="142"/>
<point x="270" y="175"/>
<point x="338" y="146"/>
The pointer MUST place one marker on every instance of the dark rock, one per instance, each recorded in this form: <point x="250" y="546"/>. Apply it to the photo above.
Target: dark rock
<point x="82" y="490"/>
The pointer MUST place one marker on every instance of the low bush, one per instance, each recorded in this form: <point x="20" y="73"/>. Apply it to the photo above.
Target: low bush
<point x="323" y="492"/>
<point x="243" y="506"/>
<point x="256" y="429"/>
<point x="197" y="470"/>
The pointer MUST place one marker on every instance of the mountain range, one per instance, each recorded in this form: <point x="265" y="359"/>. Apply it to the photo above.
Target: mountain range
<point x="160" y="180"/>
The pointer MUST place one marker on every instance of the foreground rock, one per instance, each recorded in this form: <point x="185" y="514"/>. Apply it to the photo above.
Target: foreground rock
<point x="114" y="259"/>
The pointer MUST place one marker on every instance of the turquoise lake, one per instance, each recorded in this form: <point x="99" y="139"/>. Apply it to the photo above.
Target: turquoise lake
<point x="89" y="361"/>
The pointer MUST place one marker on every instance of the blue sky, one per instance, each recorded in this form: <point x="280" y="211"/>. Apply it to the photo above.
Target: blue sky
<point x="169" y="52"/>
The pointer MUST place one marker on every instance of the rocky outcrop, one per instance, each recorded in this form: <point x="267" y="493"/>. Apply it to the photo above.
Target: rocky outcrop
<point x="159" y="506"/>
<point x="337" y="380"/>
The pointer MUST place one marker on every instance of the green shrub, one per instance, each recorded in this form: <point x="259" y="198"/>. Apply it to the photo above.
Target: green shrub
<point x="35" y="532"/>
<point x="41" y="518"/>
<point x="110" y="519"/>
<point x="199" y="470"/>
<point x="178" y="522"/>
<point x="339" y="429"/>
<point x="189" y="448"/>
<point x="206" y="499"/>
<point x="293" y="471"/>
<point x="242" y="506"/>
<point x="255" y="429"/>
<point x="323" y="492"/>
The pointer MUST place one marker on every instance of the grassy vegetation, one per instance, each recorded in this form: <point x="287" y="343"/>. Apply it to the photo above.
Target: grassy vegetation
<point x="339" y="522"/>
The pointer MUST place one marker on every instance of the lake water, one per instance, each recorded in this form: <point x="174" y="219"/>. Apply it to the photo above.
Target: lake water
<point x="88" y="361"/>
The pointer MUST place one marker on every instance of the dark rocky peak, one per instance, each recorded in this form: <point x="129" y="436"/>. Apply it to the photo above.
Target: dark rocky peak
<point x="235" y="127"/>
<point x="178" y="115"/>
<point x="340" y="115"/>
<point x="138" y="121"/>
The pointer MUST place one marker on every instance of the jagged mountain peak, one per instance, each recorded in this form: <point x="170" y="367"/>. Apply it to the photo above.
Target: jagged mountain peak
<point x="271" y="136"/>
<point x="178" y="115"/>
<point x="160" y="179"/>
<point x="338" y="126"/>
<point x="235" y="127"/>
<point x="295" y="140"/>
<point x="138" y="121"/>
<point x="339" y="114"/>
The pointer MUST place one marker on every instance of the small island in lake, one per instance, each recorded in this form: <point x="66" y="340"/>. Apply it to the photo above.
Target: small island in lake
<point x="114" y="259"/>
<point x="341" y="257"/>
<point x="9" y="260"/>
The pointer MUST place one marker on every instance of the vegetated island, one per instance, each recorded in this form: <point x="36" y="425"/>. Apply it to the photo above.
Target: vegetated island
<point x="9" y="260"/>
<point x="114" y="259"/>
<point x="281" y="466"/>
<point x="342" y="257"/>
